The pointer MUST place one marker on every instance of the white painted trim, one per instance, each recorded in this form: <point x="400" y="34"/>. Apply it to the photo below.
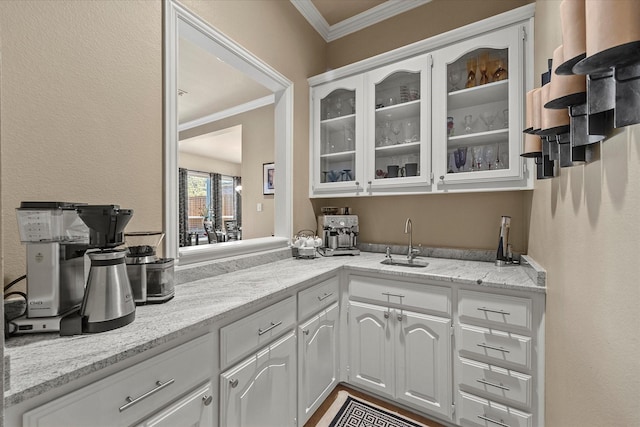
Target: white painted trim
<point x="178" y="18"/>
<point x="230" y="112"/>
<point x="362" y="20"/>
<point x="475" y="29"/>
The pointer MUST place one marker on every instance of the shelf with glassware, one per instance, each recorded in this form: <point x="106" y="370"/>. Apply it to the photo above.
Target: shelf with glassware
<point x="397" y="160"/>
<point x="476" y="143"/>
<point x="337" y="137"/>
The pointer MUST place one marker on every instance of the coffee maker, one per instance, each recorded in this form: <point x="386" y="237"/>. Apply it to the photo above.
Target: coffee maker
<point x="152" y="278"/>
<point x="56" y="240"/>
<point x="339" y="234"/>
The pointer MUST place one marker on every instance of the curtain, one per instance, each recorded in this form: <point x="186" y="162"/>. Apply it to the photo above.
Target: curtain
<point x="216" y="200"/>
<point x="182" y="206"/>
<point x="238" y="200"/>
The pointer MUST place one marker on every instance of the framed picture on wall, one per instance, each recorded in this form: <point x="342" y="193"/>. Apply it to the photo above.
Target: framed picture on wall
<point x="268" y="171"/>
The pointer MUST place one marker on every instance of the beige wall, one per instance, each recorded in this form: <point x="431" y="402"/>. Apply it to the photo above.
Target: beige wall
<point x="585" y="231"/>
<point x="207" y="164"/>
<point x="257" y="148"/>
<point x="82" y="101"/>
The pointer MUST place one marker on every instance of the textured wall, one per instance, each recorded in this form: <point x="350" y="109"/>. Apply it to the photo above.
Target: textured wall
<point x="585" y="232"/>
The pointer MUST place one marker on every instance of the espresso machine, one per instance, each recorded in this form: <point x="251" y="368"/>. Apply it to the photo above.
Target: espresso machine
<point x="152" y="278"/>
<point x="57" y="236"/>
<point x="339" y="234"/>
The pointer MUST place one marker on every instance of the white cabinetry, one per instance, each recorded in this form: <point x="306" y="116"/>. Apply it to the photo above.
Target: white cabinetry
<point x="260" y="390"/>
<point x="140" y="392"/>
<point x="318" y="352"/>
<point x="478" y="122"/>
<point x="498" y="365"/>
<point x="397" y="352"/>
<point x="413" y="108"/>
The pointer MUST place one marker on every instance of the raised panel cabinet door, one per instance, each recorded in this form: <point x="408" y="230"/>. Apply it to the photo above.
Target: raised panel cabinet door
<point x="371" y="348"/>
<point x="423" y="362"/>
<point x="261" y="390"/>
<point x="194" y="410"/>
<point x="317" y="360"/>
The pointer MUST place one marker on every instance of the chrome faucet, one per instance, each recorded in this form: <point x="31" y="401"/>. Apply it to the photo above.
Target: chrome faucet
<point x="408" y="229"/>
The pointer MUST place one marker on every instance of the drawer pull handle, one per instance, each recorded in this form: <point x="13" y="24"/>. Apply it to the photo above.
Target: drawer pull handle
<point x="233" y="383"/>
<point x="264" y="331"/>
<point x="500" y="386"/>
<point x="392" y="295"/>
<point x="325" y="296"/>
<point x="493" y="348"/>
<point x="506" y="313"/>
<point x="207" y="400"/>
<point x="500" y="423"/>
<point x="131" y="401"/>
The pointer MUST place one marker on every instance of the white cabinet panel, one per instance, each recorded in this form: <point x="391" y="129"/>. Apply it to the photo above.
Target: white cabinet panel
<point x="476" y="411"/>
<point x="495" y="381"/>
<point x="492" y="344"/>
<point x="495" y="310"/>
<point x="194" y="410"/>
<point x="318" y="297"/>
<point x="261" y="390"/>
<point x="317" y="360"/>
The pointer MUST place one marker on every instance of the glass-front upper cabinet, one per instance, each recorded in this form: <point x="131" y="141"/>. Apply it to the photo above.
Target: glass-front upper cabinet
<point x="397" y="141"/>
<point x="337" y="121"/>
<point x="477" y="112"/>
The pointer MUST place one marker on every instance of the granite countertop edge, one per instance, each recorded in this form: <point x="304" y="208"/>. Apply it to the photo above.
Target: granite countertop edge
<point x="200" y="303"/>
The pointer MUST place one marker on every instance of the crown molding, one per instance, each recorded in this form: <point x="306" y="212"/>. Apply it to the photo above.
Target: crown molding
<point x="238" y="109"/>
<point x="362" y="20"/>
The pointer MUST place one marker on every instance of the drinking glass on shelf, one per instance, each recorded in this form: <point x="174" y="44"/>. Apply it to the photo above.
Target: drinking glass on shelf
<point x="352" y="103"/>
<point x="483" y="63"/>
<point x="461" y="158"/>
<point x="338" y="108"/>
<point x="454" y="78"/>
<point x="505" y="117"/>
<point x="468" y="120"/>
<point x="490" y="156"/>
<point x="501" y="72"/>
<point x="499" y="164"/>
<point x="471" y="73"/>
<point x="477" y="154"/>
<point x="488" y="117"/>
<point x="449" y="126"/>
<point x="395" y="129"/>
<point x="454" y="159"/>
<point x="411" y="132"/>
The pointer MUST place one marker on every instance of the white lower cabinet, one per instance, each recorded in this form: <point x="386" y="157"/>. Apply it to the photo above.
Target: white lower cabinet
<point x="476" y="411"/>
<point x="260" y="391"/>
<point x="193" y="410"/>
<point x="147" y="390"/>
<point x="402" y="355"/>
<point x="317" y="360"/>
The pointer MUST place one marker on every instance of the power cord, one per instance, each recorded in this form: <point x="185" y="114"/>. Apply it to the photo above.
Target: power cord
<point x="9" y="321"/>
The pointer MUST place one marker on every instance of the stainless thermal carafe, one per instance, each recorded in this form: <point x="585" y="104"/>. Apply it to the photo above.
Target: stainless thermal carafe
<point x="502" y="255"/>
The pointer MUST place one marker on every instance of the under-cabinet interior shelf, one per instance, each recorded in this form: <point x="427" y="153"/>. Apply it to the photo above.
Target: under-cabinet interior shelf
<point x="399" y="149"/>
<point x="479" y="138"/>
<point x="402" y="111"/>
<point x="479" y="95"/>
<point x="344" y="155"/>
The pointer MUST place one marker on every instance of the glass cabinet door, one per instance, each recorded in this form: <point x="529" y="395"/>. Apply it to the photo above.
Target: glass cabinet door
<point x="397" y="145"/>
<point x="337" y="136"/>
<point x="478" y="116"/>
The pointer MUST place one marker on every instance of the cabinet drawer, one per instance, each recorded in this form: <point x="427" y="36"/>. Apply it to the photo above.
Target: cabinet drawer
<point x="133" y="393"/>
<point x="495" y="345"/>
<point x="476" y="411"/>
<point x="495" y="309"/>
<point x="318" y="297"/>
<point x="499" y="383"/>
<point x="244" y="336"/>
<point x="414" y="296"/>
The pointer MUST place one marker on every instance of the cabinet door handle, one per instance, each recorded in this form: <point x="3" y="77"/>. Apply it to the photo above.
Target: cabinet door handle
<point x="325" y="296"/>
<point x="207" y="400"/>
<point x="483" y="345"/>
<point x="131" y="401"/>
<point x="506" y="313"/>
<point x="264" y="331"/>
<point x="386" y="314"/>
<point x="400" y="317"/>
<point x="392" y="295"/>
<point x="233" y="383"/>
<point x="500" y="423"/>
<point x="500" y="386"/>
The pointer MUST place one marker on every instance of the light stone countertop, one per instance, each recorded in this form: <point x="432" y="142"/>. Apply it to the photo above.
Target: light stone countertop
<point x="42" y="362"/>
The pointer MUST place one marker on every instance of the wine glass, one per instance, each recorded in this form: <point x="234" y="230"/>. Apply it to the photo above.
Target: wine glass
<point x="454" y="76"/>
<point x="490" y="155"/>
<point x="462" y="157"/>
<point x="468" y="120"/>
<point x="453" y="159"/>
<point x="338" y="106"/>
<point x="395" y="129"/>
<point x="488" y="117"/>
<point x="499" y="164"/>
<point x="477" y="153"/>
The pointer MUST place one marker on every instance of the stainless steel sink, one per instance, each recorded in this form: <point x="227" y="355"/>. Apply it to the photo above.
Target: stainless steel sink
<point x="405" y="262"/>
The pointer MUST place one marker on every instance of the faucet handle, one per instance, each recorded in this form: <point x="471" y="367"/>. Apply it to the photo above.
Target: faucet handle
<point x="388" y="252"/>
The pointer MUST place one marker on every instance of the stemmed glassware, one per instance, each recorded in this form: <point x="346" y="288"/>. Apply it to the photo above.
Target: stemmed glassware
<point x="488" y="117"/>
<point x="468" y="120"/>
<point x="477" y="154"/>
<point x="395" y="129"/>
<point x="460" y="156"/>
<point x="490" y="155"/>
<point x="454" y="77"/>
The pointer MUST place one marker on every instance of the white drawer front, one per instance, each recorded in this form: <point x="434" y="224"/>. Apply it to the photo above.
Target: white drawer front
<point x="501" y="310"/>
<point x="496" y="345"/>
<point x="476" y="411"/>
<point x="499" y="383"/>
<point x="244" y="336"/>
<point x="413" y="296"/>
<point x="138" y="391"/>
<point x="318" y="297"/>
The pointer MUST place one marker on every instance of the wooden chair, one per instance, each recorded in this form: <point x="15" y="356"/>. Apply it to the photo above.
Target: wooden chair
<point x="231" y="229"/>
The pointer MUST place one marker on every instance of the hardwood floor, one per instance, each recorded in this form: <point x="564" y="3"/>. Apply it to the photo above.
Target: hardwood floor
<point x="313" y="421"/>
